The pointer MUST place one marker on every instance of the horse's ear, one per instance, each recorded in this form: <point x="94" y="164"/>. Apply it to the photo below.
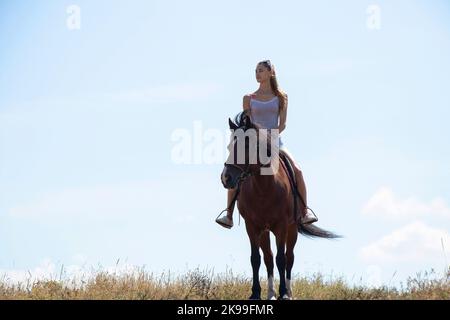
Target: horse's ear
<point x="232" y="125"/>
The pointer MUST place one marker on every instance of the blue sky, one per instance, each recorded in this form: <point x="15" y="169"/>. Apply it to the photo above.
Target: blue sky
<point x="87" y="118"/>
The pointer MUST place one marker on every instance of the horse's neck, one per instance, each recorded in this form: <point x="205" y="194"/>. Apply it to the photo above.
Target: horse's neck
<point x="264" y="183"/>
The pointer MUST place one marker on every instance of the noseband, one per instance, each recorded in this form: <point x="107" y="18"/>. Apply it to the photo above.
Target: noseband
<point x="245" y="172"/>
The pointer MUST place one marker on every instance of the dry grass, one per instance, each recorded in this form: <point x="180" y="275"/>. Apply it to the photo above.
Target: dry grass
<point x="204" y="284"/>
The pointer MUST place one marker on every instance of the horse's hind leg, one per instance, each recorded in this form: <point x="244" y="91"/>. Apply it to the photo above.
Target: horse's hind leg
<point x="290" y="244"/>
<point x="268" y="261"/>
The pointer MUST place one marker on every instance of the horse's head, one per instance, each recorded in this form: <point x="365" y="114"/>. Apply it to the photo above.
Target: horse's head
<point x="244" y="157"/>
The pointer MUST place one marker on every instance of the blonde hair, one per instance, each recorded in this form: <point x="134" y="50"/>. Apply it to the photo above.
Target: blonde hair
<point x="274" y="84"/>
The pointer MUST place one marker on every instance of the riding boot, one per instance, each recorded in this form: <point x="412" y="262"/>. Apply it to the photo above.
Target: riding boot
<point x="227" y="220"/>
<point x="305" y="213"/>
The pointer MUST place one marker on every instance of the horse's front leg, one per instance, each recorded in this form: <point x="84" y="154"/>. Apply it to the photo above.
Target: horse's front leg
<point x="256" y="263"/>
<point x="255" y="260"/>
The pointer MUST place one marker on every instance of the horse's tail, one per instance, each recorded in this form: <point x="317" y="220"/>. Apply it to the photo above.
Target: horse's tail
<point x="310" y="230"/>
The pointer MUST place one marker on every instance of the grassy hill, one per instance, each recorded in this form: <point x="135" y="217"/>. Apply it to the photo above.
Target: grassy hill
<point x="198" y="284"/>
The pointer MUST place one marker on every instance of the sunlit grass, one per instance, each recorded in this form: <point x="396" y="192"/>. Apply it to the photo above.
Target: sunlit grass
<point x="205" y="284"/>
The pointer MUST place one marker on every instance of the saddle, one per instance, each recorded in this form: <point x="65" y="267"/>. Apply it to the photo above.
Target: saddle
<point x="289" y="168"/>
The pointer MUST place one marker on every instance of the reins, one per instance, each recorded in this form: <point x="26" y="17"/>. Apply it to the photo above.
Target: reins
<point x="244" y="174"/>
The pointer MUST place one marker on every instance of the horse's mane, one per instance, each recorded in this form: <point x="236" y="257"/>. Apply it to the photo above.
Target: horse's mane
<point x="242" y="120"/>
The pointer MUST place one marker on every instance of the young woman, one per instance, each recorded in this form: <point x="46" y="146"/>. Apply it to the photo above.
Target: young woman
<point x="267" y="107"/>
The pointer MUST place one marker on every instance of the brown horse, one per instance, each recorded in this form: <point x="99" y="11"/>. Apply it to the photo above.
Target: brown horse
<point x="265" y="202"/>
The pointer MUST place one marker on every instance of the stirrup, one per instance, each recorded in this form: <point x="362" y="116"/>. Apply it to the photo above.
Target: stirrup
<point x="308" y="218"/>
<point x="225" y="222"/>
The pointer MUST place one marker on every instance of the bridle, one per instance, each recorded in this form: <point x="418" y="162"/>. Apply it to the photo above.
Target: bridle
<point x="246" y="172"/>
<point x="242" y="176"/>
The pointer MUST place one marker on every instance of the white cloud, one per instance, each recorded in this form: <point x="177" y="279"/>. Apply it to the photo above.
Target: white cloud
<point x="384" y="203"/>
<point x="103" y="201"/>
<point x="167" y="93"/>
<point x="70" y="274"/>
<point x="158" y="199"/>
<point x="44" y="270"/>
<point x="26" y="112"/>
<point x="415" y="242"/>
<point x="333" y="67"/>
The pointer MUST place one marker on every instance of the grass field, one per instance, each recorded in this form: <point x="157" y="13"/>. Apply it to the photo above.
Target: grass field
<point x="204" y="284"/>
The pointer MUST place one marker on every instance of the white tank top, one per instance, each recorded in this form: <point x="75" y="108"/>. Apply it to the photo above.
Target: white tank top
<point x="265" y="114"/>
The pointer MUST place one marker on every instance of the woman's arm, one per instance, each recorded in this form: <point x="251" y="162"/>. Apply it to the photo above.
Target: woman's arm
<point x="246" y="103"/>
<point x="283" y="116"/>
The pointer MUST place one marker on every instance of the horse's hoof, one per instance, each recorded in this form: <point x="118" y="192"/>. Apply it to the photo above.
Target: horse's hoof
<point x="254" y="298"/>
<point x="272" y="298"/>
<point x="285" y="297"/>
